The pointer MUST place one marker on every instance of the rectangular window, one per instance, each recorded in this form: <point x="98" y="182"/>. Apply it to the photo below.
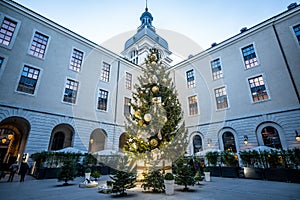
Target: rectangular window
<point x="38" y="45"/>
<point x="221" y="98"/>
<point x="28" y="80"/>
<point x="7" y="30"/>
<point x="102" y="100"/>
<point x="297" y="32"/>
<point x="71" y="90"/>
<point x="258" y="89"/>
<point x="76" y="60"/>
<point x="128" y="81"/>
<point x="127" y="106"/>
<point x="190" y="78"/>
<point x="216" y="69"/>
<point x="105" y="72"/>
<point x="193" y="105"/>
<point x="249" y="55"/>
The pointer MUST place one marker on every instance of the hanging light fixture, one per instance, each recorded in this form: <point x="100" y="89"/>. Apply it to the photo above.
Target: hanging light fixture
<point x="245" y="139"/>
<point x="297" y="136"/>
<point x="3" y="140"/>
<point x="10" y="136"/>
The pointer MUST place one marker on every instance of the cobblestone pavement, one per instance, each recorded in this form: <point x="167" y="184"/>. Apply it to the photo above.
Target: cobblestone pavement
<point x="218" y="188"/>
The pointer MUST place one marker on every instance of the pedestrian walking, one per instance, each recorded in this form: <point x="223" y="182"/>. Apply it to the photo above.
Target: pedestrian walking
<point x="23" y="170"/>
<point x="13" y="169"/>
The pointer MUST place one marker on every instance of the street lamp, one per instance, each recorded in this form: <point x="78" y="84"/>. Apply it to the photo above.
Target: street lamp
<point x="297" y="136"/>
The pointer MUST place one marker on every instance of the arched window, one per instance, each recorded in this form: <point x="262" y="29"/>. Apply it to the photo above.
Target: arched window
<point x="229" y="142"/>
<point x="197" y="143"/>
<point x="271" y="137"/>
<point x="58" y="141"/>
<point x="134" y="57"/>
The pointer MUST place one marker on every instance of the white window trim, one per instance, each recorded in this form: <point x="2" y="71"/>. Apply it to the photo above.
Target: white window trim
<point x="3" y="64"/>
<point x="294" y="35"/>
<point x="83" y="59"/>
<point x="235" y="135"/>
<point x="195" y="82"/>
<point x="2" y="16"/>
<point x="266" y="85"/>
<point x="256" y="53"/>
<point x="47" y="46"/>
<point x="37" y="83"/>
<point x="188" y="107"/>
<point x="63" y="92"/>
<point x="228" y="103"/>
<point x="211" y="72"/>
<point x="101" y="68"/>
<point x="108" y="102"/>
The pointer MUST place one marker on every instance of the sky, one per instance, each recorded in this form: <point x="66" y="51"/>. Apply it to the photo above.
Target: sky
<point x="189" y="26"/>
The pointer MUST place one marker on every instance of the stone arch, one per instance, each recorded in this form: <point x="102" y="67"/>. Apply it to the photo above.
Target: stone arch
<point x="97" y="140"/>
<point x="61" y="137"/>
<point x="196" y="145"/>
<point x="14" y="132"/>
<point x="266" y="130"/>
<point x="228" y="139"/>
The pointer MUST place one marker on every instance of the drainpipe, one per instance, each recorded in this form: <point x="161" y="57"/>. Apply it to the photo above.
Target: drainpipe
<point x="116" y="103"/>
<point x="287" y="64"/>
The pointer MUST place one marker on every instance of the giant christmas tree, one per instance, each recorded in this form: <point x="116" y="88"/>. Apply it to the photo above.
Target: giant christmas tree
<point x="155" y="130"/>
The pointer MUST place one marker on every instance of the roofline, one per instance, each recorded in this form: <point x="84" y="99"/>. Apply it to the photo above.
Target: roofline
<point x="240" y="35"/>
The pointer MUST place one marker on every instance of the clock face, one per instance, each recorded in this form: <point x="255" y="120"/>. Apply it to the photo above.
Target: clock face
<point x="153" y="142"/>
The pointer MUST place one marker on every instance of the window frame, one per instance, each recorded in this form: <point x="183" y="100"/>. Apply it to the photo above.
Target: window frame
<point x="211" y="69"/>
<point x="125" y="107"/>
<point x="31" y="41"/>
<point x="266" y="88"/>
<point x="256" y="55"/>
<point x="188" y="105"/>
<point x="192" y="83"/>
<point x="3" y="65"/>
<point x="71" y="57"/>
<point x="14" y="36"/>
<point x="294" y="34"/>
<point x="107" y="100"/>
<point x="105" y="74"/>
<point x="227" y="98"/>
<point x="37" y="82"/>
<point x="128" y="83"/>
<point x="64" y="88"/>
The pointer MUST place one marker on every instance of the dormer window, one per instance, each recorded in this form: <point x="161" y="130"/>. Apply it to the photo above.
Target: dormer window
<point x="134" y="57"/>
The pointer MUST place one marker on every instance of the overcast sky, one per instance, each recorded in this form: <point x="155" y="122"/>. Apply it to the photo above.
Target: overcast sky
<point x="196" y="23"/>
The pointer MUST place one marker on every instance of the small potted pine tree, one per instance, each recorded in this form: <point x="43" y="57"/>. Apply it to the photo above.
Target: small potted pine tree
<point x="88" y="174"/>
<point x="169" y="183"/>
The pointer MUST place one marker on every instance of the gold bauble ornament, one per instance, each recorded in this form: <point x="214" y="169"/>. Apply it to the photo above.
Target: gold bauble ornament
<point x="155" y="89"/>
<point x="140" y="122"/>
<point x="137" y="114"/>
<point x="153" y="63"/>
<point x="164" y="80"/>
<point x="153" y="142"/>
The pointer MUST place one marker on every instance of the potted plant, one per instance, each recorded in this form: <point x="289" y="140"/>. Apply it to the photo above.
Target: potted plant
<point x="88" y="173"/>
<point x="207" y="174"/>
<point x="95" y="174"/>
<point x="169" y="183"/>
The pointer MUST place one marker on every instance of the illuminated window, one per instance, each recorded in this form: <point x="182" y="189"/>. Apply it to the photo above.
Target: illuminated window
<point x="190" y="78"/>
<point x="102" y="100"/>
<point x="7" y="30"/>
<point x="128" y="81"/>
<point x="193" y="105"/>
<point x="229" y="142"/>
<point x="271" y="137"/>
<point x="216" y="69"/>
<point x="258" y="89"/>
<point x="249" y="55"/>
<point x="105" y="72"/>
<point x="38" y="45"/>
<point x="71" y="89"/>
<point x="221" y="98"/>
<point x="28" y="80"/>
<point x="76" y="60"/>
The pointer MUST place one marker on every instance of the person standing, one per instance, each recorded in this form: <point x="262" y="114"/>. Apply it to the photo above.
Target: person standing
<point x="13" y="169"/>
<point x="23" y="170"/>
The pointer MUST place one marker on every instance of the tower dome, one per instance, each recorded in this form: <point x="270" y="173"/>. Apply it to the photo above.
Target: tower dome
<point x="146" y="20"/>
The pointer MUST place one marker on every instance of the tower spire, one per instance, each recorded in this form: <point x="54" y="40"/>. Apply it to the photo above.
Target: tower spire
<point x="146" y="5"/>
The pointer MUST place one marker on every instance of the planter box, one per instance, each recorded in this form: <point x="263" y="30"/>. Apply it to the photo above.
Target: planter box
<point x="231" y="172"/>
<point x="293" y="175"/>
<point x="169" y="187"/>
<point x="276" y="174"/>
<point x="254" y="173"/>
<point x="214" y="170"/>
<point x="47" y="173"/>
